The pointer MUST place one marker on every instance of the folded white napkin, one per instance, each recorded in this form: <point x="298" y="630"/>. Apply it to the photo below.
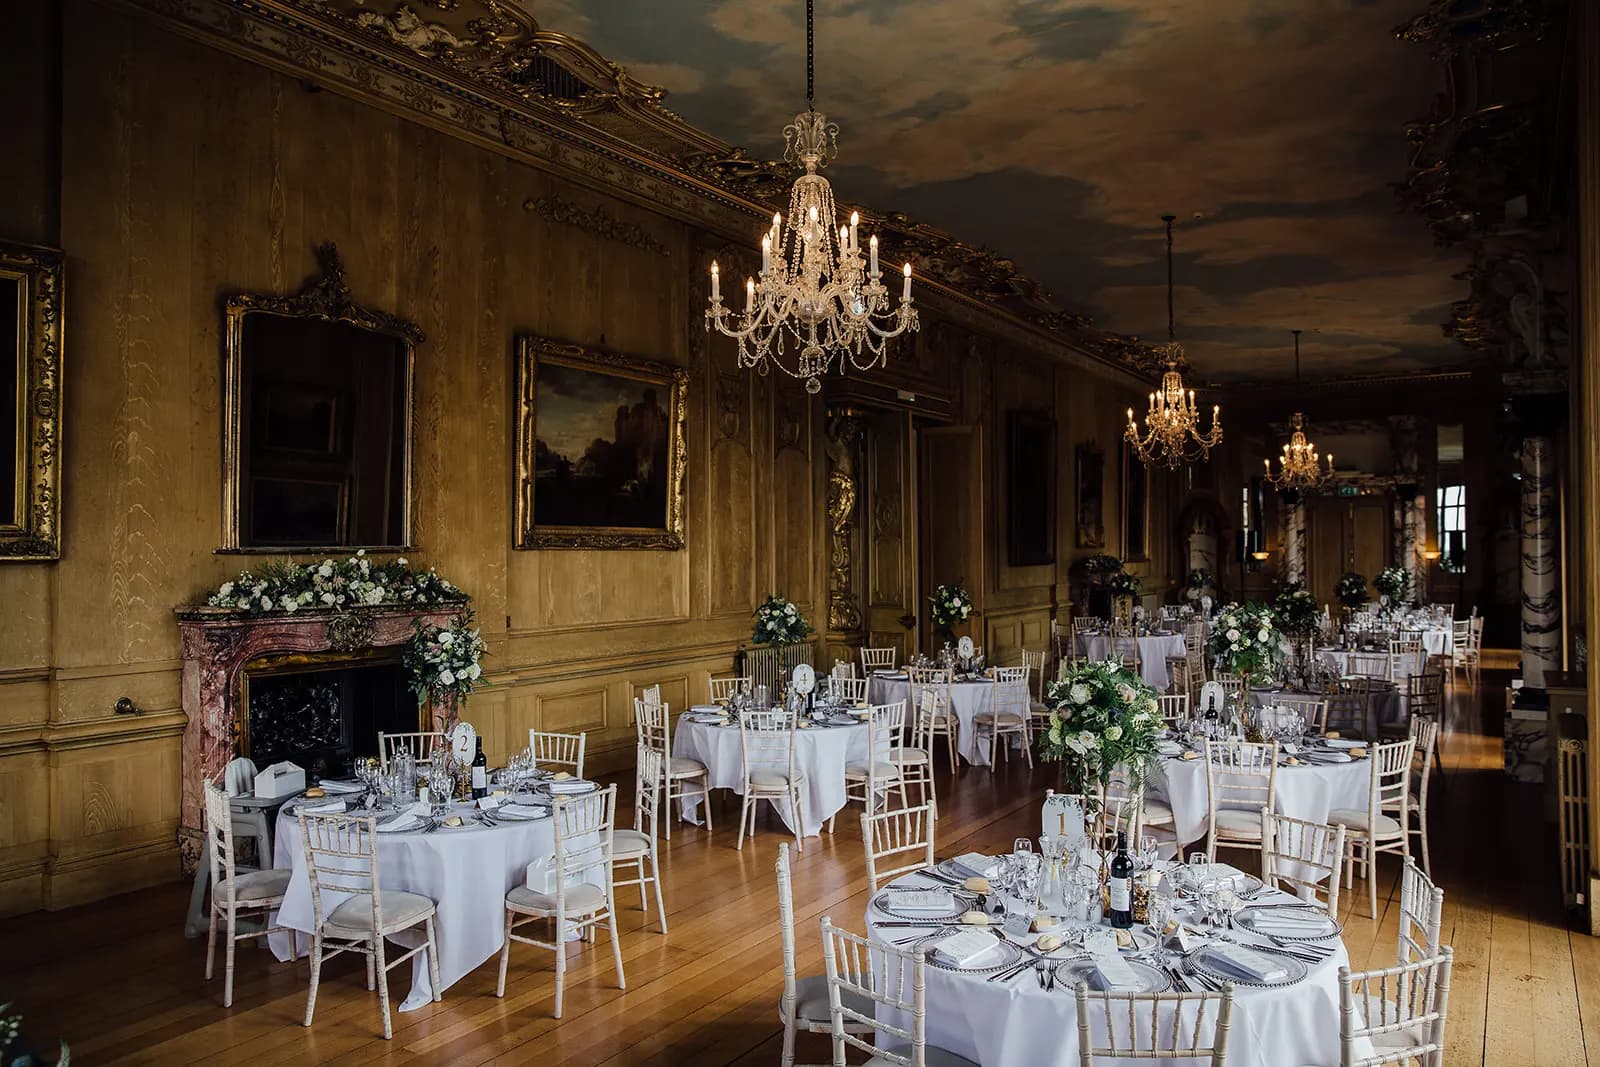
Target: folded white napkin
<point x="1247" y="963"/>
<point x="1334" y="757"/>
<point x="976" y="864"/>
<point x="322" y="807"/>
<point x="399" y="825"/>
<point x="1345" y="742"/>
<point x="571" y="785"/>
<point x="519" y="813"/>
<point x="1289" y="927"/>
<point x="1169" y="748"/>
<point x="923" y="900"/>
<point x="1114" y="972"/>
<point x="709" y="709"/>
<point x="340" y="785"/>
<point x="963" y="948"/>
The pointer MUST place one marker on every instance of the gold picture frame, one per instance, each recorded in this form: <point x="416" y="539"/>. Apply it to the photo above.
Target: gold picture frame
<point x="577" y="488"/>
<point x="30" y="403"/>
<point x="324" y="298"/>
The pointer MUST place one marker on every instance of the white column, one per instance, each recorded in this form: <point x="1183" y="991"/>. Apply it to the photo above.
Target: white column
<point x="1541" y="570"/>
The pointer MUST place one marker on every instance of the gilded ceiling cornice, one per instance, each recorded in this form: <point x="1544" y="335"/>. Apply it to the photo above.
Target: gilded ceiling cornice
<point x="484" y="71"/>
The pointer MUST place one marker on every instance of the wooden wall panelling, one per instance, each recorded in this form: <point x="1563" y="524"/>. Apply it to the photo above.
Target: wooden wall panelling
<point x="890" y="542"/>
<point x="952" y="517"/>
<point x="25" y="830"/>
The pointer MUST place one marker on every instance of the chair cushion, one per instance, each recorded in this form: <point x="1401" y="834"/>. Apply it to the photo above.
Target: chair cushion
<point x="582" y="899"/>
<point x="628" y="844"/>
<point x="908" y="756"/>
<point x="879" y="770"/>
<point x="1039" y="707"/>
<point x="685" y="768"/>
<point x="1007" y="718"/>
<point x="353" y="918"/>
<point x="1157" y="812"/>
<point x="1240" y="825"/>
<point x="773" y="779"/>
<point x="933" y="1057"/>
<point x="811" y="1002"/>
<point x="1356" y="819"/>
<point x="254" y="887"/>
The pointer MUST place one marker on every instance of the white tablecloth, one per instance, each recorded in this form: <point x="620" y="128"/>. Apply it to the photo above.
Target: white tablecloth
<point x="821" y="752"/>
<point x="1387" y="703"/>
<point x="1306" y="792"/>
<point x="466" y="872"/>
<point x="967" y="700"/>
<point x="1014" y="1023"/>
<point x="1338" y="660"/>
<point x="1153" y="652"/>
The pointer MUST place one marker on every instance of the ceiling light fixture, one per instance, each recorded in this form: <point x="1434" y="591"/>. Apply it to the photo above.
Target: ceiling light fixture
<point x="815" y="286"/>
<point x="1298" y="467"/>
<point x="1172" y="424"/>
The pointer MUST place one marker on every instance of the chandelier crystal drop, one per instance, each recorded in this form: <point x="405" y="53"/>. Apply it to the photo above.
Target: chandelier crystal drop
<point x="817" y="294"/>
<point x="1172" y="435"/>
<point x="1299" y="466"/>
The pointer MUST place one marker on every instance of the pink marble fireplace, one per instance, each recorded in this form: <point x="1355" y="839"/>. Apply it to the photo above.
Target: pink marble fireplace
<point x="220" y="646"/>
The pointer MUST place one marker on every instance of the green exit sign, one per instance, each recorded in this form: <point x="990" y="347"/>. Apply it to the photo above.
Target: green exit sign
<point x="1349" y="490"/>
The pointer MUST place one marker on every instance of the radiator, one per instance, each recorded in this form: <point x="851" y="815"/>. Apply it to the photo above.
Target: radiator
<point x="1572" y="775"/>
<point x="773" y="665"/>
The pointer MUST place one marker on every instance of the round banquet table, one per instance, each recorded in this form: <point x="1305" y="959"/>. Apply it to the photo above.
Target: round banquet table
<point x="1012" y="1022"/>
<point x="1338" y="661"/>
<point x="1387" y="707"/>
<point x="1153" y="652"/>
<point x="820" y="752"/>
<point x="967" y="700"/>
<point x="1309" y="791"/>
<point x="466" y="872"/>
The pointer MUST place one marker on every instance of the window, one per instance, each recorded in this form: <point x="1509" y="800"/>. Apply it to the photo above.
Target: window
<point x="1453" y="528"/>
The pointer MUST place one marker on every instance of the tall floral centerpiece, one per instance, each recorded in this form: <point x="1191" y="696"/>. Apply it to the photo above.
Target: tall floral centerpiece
<point x="778" y="622"/>
<point x="1351" y="589"/>
<point x="1201" y="584"/>
<point x="1124" y="588"/>
<point x="1102" y="717"/>
<point x="445" y="667"/>
<point x="1245" y="640"/>
<point x="1393" y="585"/>
<point x="1296" y="610"/>
<point x="952" y="606"/>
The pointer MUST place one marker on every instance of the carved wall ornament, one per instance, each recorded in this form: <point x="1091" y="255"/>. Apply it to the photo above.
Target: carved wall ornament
<point x="597" y="221"/>
<point x="350" y="632"/>
<point x="788" y="420"/>
<point x="844" y="440"/>
<point x="30" y="489"/>
<point x="732" y="400"/>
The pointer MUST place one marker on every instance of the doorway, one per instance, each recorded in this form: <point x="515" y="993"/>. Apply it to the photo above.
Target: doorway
<point x="951" y="519"/>
<point x="1346" y="534"/>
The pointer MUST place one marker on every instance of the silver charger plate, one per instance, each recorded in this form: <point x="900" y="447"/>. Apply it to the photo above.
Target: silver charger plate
<point x="1009" y="955"/>
<point x="1328" y="928"/>
<point x="1081" y="969"/>
<point x="960" y="904"/>
<point x="1201" y="960"/>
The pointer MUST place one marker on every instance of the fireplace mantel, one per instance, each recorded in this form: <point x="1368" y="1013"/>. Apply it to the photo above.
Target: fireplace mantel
<point x="218" y="645"/>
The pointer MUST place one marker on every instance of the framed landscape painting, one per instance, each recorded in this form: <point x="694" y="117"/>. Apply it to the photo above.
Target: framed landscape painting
<point x="600" y="448"/>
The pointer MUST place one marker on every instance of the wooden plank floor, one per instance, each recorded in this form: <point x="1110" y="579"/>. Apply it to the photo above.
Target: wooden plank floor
<point x="121" y="984"/>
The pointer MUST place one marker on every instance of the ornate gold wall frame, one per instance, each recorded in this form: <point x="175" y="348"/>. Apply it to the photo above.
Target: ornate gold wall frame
<point x="30" y="403"/>
<point x="325" y="297"/>
<point x="578" y="489"/>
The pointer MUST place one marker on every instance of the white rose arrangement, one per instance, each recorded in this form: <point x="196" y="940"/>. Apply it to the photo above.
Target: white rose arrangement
<point x="1102" y="717"/>
<point x="1246" y="640"/>
<point x="288" y="586"/>
<point x="445" y="662"/>
<point x="778" y="622"/>
<point x="952" y="605"/>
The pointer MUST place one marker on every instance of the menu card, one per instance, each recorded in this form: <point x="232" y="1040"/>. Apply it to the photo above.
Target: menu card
<point x="963" y="947"/>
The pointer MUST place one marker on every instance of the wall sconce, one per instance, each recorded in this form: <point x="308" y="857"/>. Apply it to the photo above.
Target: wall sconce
<point x="1258" y="560"/>
<point x="1431" y="555"/>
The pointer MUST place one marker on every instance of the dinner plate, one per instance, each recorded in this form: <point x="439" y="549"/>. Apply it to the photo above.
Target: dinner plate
<point x="960" y="904"/>
<point x="1004" y="955"/>
<point x="403" y="825"/>
<point x="1082" y="969"/>
<point x="1325" y="928"/>
<point x="1203" y="961"/>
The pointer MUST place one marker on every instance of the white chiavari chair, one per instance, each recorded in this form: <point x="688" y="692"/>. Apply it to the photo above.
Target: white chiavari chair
<point x="1241" y="779"/>
<point x="637" y="847"/>
<point x="235" y="894"/>
<point x="903" y="837"/>
<point x="561" y="752"/>
<point x="849" y="690"/>
<point x="1475" y="649"/>
<point x="804" y="1004"/>
<point x="935" y="719"/>
<point x="1378" y="665"/>
<point x="1096" y="820"/>
<point x="723" y="689"/>
<point x="1232" y="686"/>
<point x="925" y="680"/>
<point x="1008" y="713"/>
<point x="1061" y="642"/>
<point x="1174" y="708"/>
<point x="870" y="780"/>
<point x="842" y="669"/>
<point x="1421" y="915"/>
<point x="1407" y="653"/>
<point x="583" y="828"/>
<point x="1383" y="825"/>
<point x="1314" y="710"/>
<point x="341" y="856"/>
<point x="680" y="776"/>
<point x="1127" y="651"/>
<point x="1038" y="712"/>
<point x="1305" y="855"/>
<point x="650" y="694"/>
<point x="1399" y="1011"/>
<point x="1346" y="711"/>
<point x="876" y="659"/>
<point x="1131" y="805"/>
<point x="419" y="745"/>
<point x="1178" y="676"/>
<point x="914" y="761"/>
<point x="766" y="739"/>
<point x="1425" y="742"/>
<point x="877" y="974"/>
<point x="1205" y="1016"/>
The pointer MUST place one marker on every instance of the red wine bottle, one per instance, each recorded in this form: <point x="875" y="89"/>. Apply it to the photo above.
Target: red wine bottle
<point x="1121" y="911"/>
<point x="480" y="773"/>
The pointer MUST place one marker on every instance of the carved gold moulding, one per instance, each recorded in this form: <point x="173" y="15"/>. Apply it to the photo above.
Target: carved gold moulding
<point x="30" y="404"/>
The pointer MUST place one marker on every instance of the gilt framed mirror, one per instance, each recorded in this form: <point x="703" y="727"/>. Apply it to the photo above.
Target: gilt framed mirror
<point x="317" y="401"/>
<point x="30" y="402"/>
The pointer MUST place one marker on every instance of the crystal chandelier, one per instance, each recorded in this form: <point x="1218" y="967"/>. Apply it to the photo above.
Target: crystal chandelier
<point x="1172" y="436"/>
<point x="1298" y="466"/>
<point x="816" y="294"/>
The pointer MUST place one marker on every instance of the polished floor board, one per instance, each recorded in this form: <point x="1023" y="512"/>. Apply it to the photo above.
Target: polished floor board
<point x="119" y="981"/>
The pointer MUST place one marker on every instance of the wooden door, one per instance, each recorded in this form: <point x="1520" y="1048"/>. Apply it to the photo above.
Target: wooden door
<point x="951" y="521"/>
<point x="1346" y="534"/>
<point x="889" y="534"/>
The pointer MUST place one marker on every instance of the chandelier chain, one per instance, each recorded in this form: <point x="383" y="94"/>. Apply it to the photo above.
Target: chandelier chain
<point x="811" y="57"/>
<point x="1172" y="333"/>
<point x="1299" y="467"/>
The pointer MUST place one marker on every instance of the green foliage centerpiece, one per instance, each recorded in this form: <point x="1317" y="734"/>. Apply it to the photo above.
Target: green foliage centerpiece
<point x="1394" y="584"/>
<point x="778" y="622"/>
<point x="952" y="605"/>
<point x="444" y="663"/>
<point x="1245" y="640"/>
<point x="285" y="586"/>
<point x="1102" y="717"/>
<point x="1351" y="589"/>
<point x="1296" y="609"/>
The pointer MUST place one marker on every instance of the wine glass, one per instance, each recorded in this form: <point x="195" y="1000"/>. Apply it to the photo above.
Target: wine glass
<point x="1149" y="852"/>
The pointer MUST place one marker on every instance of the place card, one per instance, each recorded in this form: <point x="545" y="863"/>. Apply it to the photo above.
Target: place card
<point x="1100" y="941"/>
<point x="924" y="899"/>
<point x="1291" y="749"/>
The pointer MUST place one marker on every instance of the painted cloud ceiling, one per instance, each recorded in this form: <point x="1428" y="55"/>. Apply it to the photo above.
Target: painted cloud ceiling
<point x="1057" y="132"/>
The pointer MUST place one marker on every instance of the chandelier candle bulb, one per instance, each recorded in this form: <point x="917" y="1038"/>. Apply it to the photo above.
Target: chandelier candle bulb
<point x="905" y="292"/>
<point x="750" y="297"/>
<point x="872" y="256"/>
<point x="716" y="283"/>
<point x="855" y="220"/>
<point x="766" y="255"/>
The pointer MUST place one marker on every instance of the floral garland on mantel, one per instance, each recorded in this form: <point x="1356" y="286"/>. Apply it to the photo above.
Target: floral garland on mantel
<point x="287" y="586"/>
